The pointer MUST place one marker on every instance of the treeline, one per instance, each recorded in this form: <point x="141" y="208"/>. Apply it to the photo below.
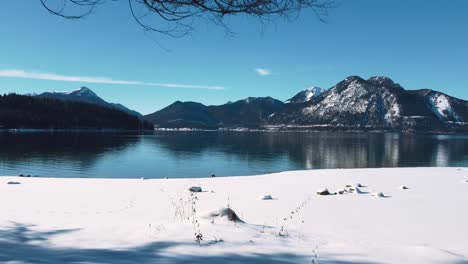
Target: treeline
<point x="23" y="112"/>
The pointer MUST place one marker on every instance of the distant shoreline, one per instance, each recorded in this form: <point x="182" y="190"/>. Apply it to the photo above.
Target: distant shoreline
<point x="263" y="130"/>
<point x="31" y="130"/>
<point x="301" y="130"/>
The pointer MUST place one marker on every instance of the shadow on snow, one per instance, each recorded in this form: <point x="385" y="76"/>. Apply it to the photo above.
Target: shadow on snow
<point x="22" y="244"/>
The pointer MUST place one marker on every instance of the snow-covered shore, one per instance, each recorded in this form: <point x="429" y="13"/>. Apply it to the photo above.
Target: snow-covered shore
<point x="58" y="220"/>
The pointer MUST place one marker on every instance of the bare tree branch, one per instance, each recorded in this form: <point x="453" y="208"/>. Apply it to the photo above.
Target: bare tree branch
<point x="179" y="15"/>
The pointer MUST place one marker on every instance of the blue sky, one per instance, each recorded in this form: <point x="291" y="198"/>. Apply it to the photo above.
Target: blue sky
<point x="418" y="43"/>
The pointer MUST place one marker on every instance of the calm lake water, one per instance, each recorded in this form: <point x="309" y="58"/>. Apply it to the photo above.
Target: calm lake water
<point x="198" y="154"/>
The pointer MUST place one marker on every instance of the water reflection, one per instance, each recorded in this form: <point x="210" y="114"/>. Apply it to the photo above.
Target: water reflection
<point x="195" y="154"/>
<point x="57" y="154"/>
<point x="325" y="150"/>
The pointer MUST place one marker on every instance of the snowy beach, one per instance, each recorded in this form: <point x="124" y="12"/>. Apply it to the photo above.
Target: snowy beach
<point x="60" y="220"/>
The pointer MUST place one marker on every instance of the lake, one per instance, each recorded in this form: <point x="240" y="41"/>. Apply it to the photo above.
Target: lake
<point x="198" y="154"/>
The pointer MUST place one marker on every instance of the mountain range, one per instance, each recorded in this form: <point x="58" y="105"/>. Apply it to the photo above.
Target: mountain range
<point x="247" y="113"/>
<point x="377" y="103"/>
<point x="353" y="104"/>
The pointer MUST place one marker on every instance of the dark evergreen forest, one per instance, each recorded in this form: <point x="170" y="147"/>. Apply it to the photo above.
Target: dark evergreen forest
<point x="26" y="112"/>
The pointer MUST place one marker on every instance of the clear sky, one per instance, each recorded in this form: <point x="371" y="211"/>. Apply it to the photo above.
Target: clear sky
<point x="418" y="43"/>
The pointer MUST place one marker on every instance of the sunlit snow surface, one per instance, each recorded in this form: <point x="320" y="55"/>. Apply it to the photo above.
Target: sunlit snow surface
<point x="53" y="220"/>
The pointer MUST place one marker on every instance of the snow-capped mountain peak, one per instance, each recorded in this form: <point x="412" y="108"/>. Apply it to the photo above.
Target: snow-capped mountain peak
<point x="381" y="80"/>
<point x="306" y="95"/>
<point x="84" y="91"/>
<point x="377" y="103"/>
<point x="84" y="94"/>
<point x="313" y="92"/>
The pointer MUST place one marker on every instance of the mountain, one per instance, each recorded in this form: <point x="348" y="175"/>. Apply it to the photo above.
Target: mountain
<point x="249" y="112"/>
<point x="32" y="112"/>
<point x="86" y="95"/>
<point x="306" y="95"/>
<point x="183" y="114"/>
<point x="376" y="103"/>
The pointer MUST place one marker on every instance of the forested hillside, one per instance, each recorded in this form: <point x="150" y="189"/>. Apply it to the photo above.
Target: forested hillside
<point x="18" y="111"/>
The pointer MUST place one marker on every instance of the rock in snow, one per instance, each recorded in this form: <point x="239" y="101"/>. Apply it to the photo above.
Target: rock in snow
<point x="227" y="213"/>
<point x="341" y="191"/>
<point x="323" y="192"/>
<point x="378" y="194"/>
<point x="13" y="182"/>
<point x="266" y="197"/>
<point x="195" y="189"/>
<point x="355" y="190"/>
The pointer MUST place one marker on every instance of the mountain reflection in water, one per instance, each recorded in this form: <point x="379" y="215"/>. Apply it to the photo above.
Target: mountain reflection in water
<point x="198" y="154"/>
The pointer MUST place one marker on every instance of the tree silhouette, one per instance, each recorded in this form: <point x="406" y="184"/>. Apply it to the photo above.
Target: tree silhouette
<point x="177" y="17"/>
<point x="19" y="111"/>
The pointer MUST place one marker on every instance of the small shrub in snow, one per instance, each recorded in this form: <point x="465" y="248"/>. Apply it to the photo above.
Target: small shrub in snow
<point x="403" y="187"/>
<point x="195" y="189"/>
<point x="195" y="223"/>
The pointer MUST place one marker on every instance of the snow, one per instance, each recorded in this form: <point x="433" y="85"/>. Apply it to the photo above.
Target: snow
<point x="440" y="105"/>
<point x="306" y="95"/>
<point x="59" y="220"/>
<point x="394" y="112"/>
<point x="349" y="100"/>
<point x="313" y="92"/>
